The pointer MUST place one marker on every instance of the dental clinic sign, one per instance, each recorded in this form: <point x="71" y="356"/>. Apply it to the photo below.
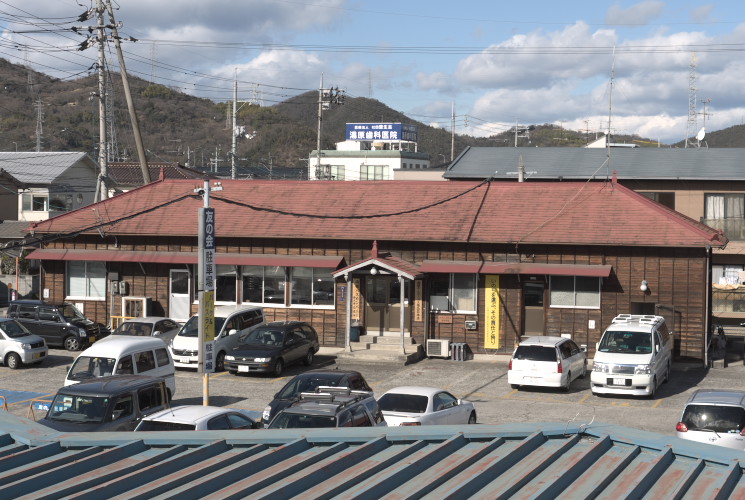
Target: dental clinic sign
<point x="392" y="132"/>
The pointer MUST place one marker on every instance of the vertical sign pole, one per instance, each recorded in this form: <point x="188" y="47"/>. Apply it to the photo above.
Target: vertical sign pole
<point x="206" y="292"/>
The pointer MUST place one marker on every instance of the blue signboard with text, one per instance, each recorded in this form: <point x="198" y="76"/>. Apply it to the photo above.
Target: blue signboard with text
<point x="381" y="132"/>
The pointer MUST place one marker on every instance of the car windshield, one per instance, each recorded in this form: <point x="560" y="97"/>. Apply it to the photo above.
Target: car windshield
<point x="535" y="353"/>
<point x="308" y="384"/>
<point x="134" y="328"/>
<point x="264" y="336"/>
<point x="725" y="419"/>
<point x="287" y="420"/>
<point x="626" y="342"/>
<point x="70" y="312"/>
<point x="155" y="425"/>
<point x="406" y="403"/>
<point x="78" y="409"/>
<point x="86" y="367"/>
<point x="13" y="329"/>
<point x="191" y="328"/>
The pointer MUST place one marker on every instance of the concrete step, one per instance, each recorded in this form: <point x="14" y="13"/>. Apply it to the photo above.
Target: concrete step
<point x="376" y="339"/>
<point x="366" y="346"/>
<point x="412" y="355"/>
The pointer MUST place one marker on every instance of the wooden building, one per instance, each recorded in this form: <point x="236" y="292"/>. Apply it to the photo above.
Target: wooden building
<point x="484" y="263"/>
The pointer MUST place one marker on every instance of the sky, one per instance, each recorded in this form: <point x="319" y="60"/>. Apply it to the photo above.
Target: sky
<point x="582" y="65"/>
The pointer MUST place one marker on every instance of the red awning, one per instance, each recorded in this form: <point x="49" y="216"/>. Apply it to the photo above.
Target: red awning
<point x="236" y="259"/>
<point x="465" y="266"/>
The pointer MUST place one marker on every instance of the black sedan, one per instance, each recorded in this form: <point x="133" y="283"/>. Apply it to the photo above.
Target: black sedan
<point x="271" y="347"/>
<point x="309" y="382"/>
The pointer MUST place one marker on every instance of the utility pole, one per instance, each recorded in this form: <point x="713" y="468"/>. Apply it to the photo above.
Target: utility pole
<point x="127" y="94"/>
<point x="326" y="97"/>
<point x="452" y="132"/>
<point x="103" y="180"/>
<point x="692" y="123"/>
<point x="39" y="119"/>
<point x="235" y="127"/>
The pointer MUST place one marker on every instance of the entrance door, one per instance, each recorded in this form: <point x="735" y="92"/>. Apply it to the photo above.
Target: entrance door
<point x="179" y="298"/>
<point x="533" y="308"/>
<point x="383" y="305"/>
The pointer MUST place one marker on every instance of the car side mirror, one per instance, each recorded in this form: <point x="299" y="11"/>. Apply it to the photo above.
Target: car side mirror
<point x="232" y="331"/>
<point x="157" y="333"/>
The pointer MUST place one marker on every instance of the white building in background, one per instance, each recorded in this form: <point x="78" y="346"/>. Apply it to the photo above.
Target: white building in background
<point x="371" y="152"/>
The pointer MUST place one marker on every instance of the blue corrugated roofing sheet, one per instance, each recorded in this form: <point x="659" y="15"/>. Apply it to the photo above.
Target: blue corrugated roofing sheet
<point x="483" y="461"/>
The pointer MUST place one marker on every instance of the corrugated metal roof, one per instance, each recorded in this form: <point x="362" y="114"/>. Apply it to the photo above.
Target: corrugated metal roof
<point x="41" y="168"/>
<point x="129" y="174"/>
<point x="495" y="212"/>
<point x="483" y="461"/>
<point x="583" y="163"/>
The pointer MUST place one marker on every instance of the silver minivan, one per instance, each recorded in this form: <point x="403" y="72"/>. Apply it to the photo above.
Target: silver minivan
<point x="714" y="416"/>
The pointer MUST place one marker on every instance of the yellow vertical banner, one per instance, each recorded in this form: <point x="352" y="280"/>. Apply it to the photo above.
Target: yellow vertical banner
<point x="209" y="316"/>
<point x="491" y="313"/>
<point x="356" y="299"/>
<point x="418" y="306"/>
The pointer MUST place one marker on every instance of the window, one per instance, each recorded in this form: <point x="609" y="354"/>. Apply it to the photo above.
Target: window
<point x="48" y="313"/>
<point x="35" y="202"/>
<point x="726" y="274"/>
<point x="225" y="284"/>
<point x="337" y="172"/>
<point x="373" y="172"/>
<point x="667" y="199"/>
<point x="581" y="292"/>
<point x="161" y="354"/>
<point x="150" y="397"/>
<point x="725" y="206"/>
<point x="311" y="286"/>
<point x="453" y="292"/>
<point x="145" y="361"/>
<point x="86" y="279"/>
<point x="264" y="284"/>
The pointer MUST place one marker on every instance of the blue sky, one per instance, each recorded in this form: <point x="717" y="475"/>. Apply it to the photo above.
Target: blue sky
<point x="495" y="63"/>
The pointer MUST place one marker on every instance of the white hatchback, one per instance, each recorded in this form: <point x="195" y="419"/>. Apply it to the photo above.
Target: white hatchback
<point x="714" y="416"/>
<point x="546" y="362"/>
<point x="200" y="418"/>
<point x="412" y="405"/>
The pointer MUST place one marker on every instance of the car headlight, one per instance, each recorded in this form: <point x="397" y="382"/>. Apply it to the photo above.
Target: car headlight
<point x="600" y="367"/>
<point x="25" y="346"/>
<point x="82" y="333"/>
<point x="265" y="415"/>
<point x="229" y="357"/>
<point x="641" y="370"/>
<point x="261" y="360"/>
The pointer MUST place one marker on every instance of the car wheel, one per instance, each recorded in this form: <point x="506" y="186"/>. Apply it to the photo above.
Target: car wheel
<point x="584" y="370"/>
<point x="220" y="362"/>
<point x="13" y="361"/>
<point x="565" y="387"/>
<point x="653" y="389"/>
<point x="472" y="418"/>
<point x="308" y="358"/>
<point x="72" y="343"/>
<point x="667" y="374"/>
<point x="233" y="372"/>
<point x="278" y="367"/>
<point x="515" y="386"/>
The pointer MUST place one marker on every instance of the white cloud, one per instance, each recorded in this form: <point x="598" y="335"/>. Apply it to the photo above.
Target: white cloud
<point x="640" y="13"/>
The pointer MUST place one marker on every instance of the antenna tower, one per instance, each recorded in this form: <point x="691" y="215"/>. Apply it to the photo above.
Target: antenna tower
<point x="692" y="115"/>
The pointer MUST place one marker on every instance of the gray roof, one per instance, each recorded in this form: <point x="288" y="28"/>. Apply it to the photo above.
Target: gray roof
<point x="477" y="461"/>
<point x="41" y="168"/>
<point x="14" y="229"/>
<point x="586" y="163"/>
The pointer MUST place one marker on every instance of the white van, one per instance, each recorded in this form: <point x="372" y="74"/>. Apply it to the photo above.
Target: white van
<point x="633" y="357"/>
<point x="124" y="356"/>
<point x="231" y="323"/>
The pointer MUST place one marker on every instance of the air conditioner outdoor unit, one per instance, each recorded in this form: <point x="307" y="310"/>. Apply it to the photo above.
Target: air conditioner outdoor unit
<point x="438" y="348"/>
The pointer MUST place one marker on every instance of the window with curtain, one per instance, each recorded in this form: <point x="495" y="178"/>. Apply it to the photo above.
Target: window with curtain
<point x="263" y="284"/>
<point x="581" y="292"/>
<point x="86" y="280"/>
<point x="373" y="172"/>
<point x="453" y="292"/>
<point x="725" y="206"/>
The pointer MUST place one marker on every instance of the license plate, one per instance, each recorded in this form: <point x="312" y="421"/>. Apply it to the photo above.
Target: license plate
<point x="619" y="381"/>
<point x="37" y="355"/>
<point x="243" y="368"/>
<point x="92" y="339"/>
<point x="184" y="360"/>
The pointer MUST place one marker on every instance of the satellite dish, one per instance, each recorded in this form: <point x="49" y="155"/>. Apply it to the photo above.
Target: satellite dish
<point x="701" y="134"/>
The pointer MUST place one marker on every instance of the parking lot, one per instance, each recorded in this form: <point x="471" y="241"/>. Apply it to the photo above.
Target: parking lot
<point x="482" y="381"/>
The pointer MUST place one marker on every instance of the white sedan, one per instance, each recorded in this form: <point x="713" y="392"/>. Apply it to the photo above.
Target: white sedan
<point x="200" y="418"/>
<point x="425" y="406"/>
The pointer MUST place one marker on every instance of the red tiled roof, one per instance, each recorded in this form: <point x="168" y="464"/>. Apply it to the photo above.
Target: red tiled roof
<point x="593" y="213"/>
<point x="130" y="174"/>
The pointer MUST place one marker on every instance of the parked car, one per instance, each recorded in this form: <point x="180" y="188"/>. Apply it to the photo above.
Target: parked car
<point x="714" y="416"/>
<point x="155" y="326"/>
<point x="59" y="324"/>
<point x="114" y="403"/>
<point x="199" y="418"/>
<point x="310" y="381"/>
<point x="124" y="355"/>
<point x="230" y="323"/>
<point x="546" y="361"/>
<point x="271" y="347"/>
<point x="331" y="407"/>
<point x="413" y="405"/>
<point x="18" y="346"/>
<point x="633" y="357"/>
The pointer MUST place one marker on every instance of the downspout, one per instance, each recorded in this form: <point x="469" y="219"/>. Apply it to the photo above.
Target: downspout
<point x="348" y="328"/>
<point x="708" y="306"/>
<point x="401" y="319"/>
